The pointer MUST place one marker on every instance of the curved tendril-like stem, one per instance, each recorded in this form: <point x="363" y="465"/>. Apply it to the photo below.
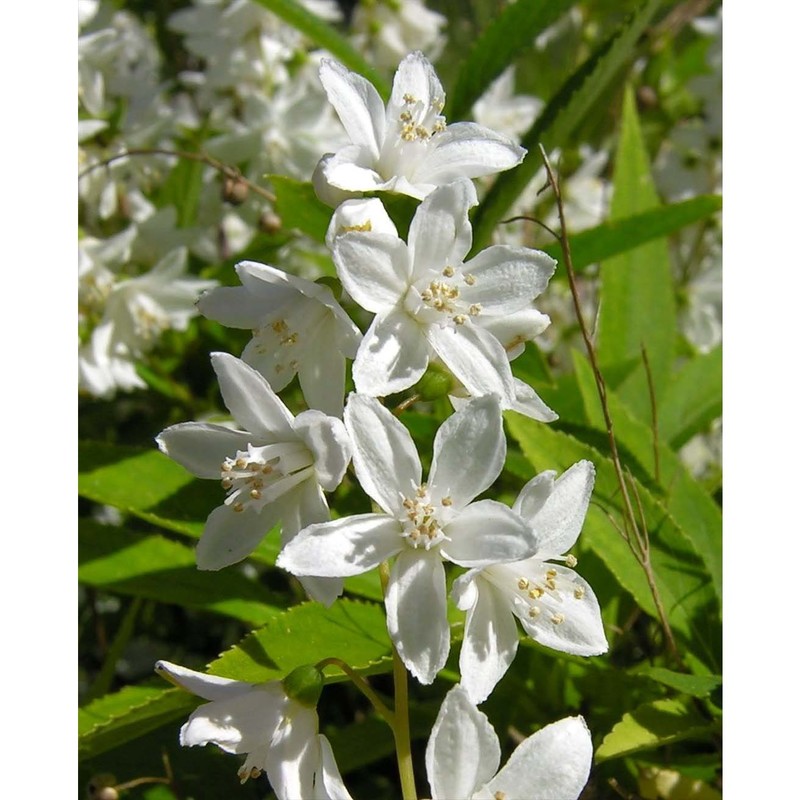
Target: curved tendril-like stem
<point x="401" y="728"/>
<point x="227" y="170"/>
<point x="639" y="541"/>
<point x="363" y="686"/>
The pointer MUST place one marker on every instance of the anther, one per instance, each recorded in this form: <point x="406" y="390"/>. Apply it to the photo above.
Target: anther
<point x="523" y="583"/>
<point x="460" y="319"/>
<point x="240" y="463"/>
<point x="551" y="573"/>
<point x="226" y="467"/>
<point x="570" y="560"/>
<point x="255" y="494"/>
<point x="238" y="508"/>
<point x="475" y="309"/>
<point x="557" y="619"/>
<point x="579" y="593"/>
<point x="447" y="501"/>
<point x="409" y="98"/>
<point x="534" y="612"/>
<point x="227" y="483"/>
<point x="448" y="271"/>
<point x="422" y="490"/>
<point x="535" y="593"/>
<point x="550" y="584"/>
<point x="469" y="279"/>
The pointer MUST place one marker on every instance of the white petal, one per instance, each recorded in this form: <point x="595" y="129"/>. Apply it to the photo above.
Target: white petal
<point x="293" y="756"/>
<point x="342" y="547"/>
<point x="534" y="495"/>
<point x="558" y="521"/>
<point x="416" y="77"/>
<point x="553" y="763"/>
<point x="513" y="330"/>
<point x="237" y="724"/>
<point x="201" y="447"/>
<point x="440" y="232"/>
<point x="463" y="751"/>
<point x="233" y="306"/>
<point x="209" y="687"/>
<point x="384" y="455"/>
<point x="309" y="506"/>
<point x="329" y="785"/>
<point x="580" y="629"/>
<point x="467" y="150"/>
<point x="357" y="103"/>
<point x="527" y="402"/>
<point x="490" y="642"/>
<point x="230" y="536"/>
<point x="393" y="355"/>
<point x="364" y="214"/>
<point x="373" y="268"/>
<point x="476" y="358"/>
<point x="327" y="438"/>
<point x="507" y="278"/>
<point x="350" y="170"/>
<point x="251" y="401"/>
<point x="325" y="191"/>
<point x="485" y="533"/>
<point x="416" y="612"/>
<point x="468" y="452"/>
<point x="322" y="378"/>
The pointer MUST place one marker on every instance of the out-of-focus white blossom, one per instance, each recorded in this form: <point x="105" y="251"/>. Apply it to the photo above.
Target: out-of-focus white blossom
<point x="500" y="109"/>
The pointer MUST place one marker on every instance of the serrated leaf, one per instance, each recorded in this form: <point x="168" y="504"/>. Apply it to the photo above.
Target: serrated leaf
<point x="620" y="235"/>
<point x="652" y="725"/>
<point x="133" y="711"/>
<point x="561" y="118"/>
<point x="298" y="207"/>
<point x="694" y="685"/>
<point x="637" y="295"/>
<point x="693" y="510"/>
<point x="681" y="577"/>
<point x="693" y="398"/>
<point x="351" y="630"/>
<point x="156" y="568"/>
<point x="513" y="30"/>
<point x="322" y="34"/>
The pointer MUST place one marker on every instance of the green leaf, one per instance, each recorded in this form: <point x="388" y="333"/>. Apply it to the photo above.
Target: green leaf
<point x="158" y="569"/>
<point x="694" y="685"/>
<point x="561" y="118"/>
<point x="306" y="634"/>
<point x="351" y="630"/>
<point x="298" y="207"/>
<point x="182" y="189"/>
<point x="133" y="711"/>
<point x="637" y="296"/>
<point x="151" y="486"/>
<point x="693" y="510"/>
<point x="693" y="399"/>
<point x="507" y="36"/>
<point x="326" y="37"/>
<point x="681" y="578"/>
<point x="619" y="235"/>
<point x="653" y="725"/>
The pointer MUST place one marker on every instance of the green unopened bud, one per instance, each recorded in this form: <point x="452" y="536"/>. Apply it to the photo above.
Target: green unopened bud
<point x="435" y="383"/>
<point x="304" y="684"/>
<point x="333" y="284"/>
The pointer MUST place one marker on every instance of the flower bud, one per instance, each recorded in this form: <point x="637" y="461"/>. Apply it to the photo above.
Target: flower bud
<point x="304" y="685"/>
<point x="234" y="190"/>
<point x="270" y="222"/>
<point x="435" y="383"/>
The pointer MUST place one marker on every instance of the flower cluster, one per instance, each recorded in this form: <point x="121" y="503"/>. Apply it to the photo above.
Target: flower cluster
<point x="433" y="306"/>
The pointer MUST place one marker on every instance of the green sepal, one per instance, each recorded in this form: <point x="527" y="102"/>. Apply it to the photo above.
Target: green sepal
<point x="304" y="684"/>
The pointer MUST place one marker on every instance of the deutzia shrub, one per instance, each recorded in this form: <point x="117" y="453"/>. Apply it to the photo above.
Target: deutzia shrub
<point x="429" y="524"/>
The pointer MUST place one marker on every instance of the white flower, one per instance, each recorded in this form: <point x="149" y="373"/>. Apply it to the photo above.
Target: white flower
<point x="298" y="328"/>
<point x="387" y="30"/>
<point x="556" y="607"/>
<point x="405" y="147"/>
<point x="463" y="755"/>
<point x="500" y="109"/>
<point x="273" y="469"/>
<point x="428" y="302"/>
<point x="423" y="524"/>
<point x="279" y="735"/>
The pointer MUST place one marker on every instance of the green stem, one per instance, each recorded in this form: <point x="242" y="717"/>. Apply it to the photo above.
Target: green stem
<point x="401" y="727"/>
<point x="362" y="686"/>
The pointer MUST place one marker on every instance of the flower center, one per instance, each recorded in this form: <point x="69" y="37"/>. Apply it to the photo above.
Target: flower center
<point x="416" y="123"/>
<point x="541" y="591"/>
<point x="423" y="524"/>
<point x="258" y="475"/>
<point x="440" y="300"/>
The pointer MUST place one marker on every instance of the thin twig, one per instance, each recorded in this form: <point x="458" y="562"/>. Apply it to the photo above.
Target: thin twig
<point x="532" y="219"/>
<point x="227" y="170"/>
<point x="653" y="413"/>
<point x="629" y="517"/>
